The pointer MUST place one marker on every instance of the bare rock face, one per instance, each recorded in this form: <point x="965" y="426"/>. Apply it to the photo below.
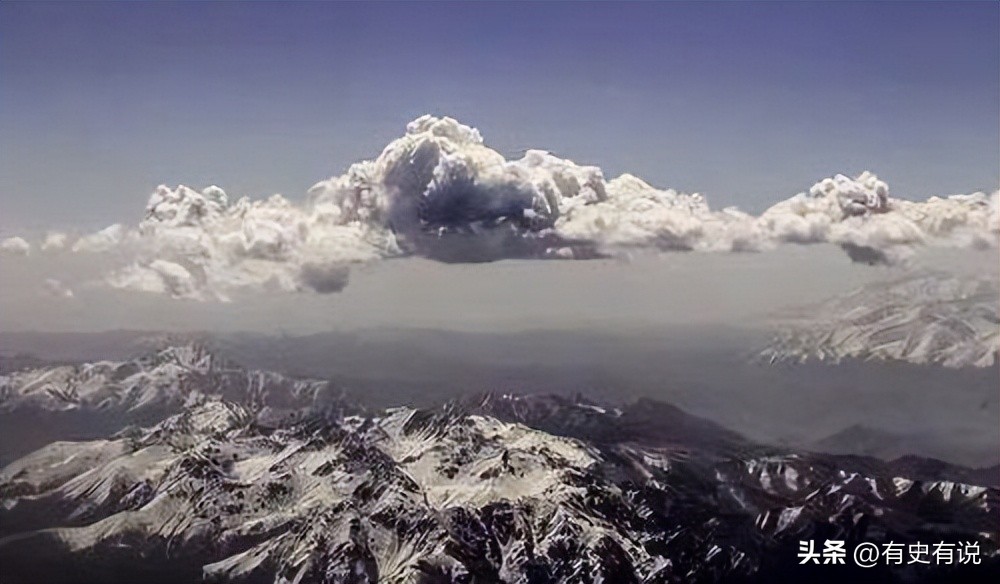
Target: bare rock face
<point x="495" y="488"/>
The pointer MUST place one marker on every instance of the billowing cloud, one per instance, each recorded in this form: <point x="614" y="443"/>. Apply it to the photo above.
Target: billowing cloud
<point x="104" y="240"/>
<point x="859" y="215"/>
<point x="54" y="240"/>
<point x="440" y="192"/>
<point x="15" y="245"/>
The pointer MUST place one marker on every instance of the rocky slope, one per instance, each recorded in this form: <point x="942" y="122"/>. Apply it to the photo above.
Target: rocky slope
<point x="925" y="318"/>
<point x="495" y="488"/>
<point x="181" y="374"/>
<point x="41" y="402"/>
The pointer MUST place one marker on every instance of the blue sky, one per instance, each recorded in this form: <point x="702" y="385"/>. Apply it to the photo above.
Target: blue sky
<point x="747" y="103"/>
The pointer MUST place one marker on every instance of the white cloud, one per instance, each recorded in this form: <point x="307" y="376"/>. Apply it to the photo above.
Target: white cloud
<point x="57" y="288"/>
<point x="102" y="241"/>
<point x="54" y="240"/>
<point x="15" y="245"/>
<point x="440" y="192"/>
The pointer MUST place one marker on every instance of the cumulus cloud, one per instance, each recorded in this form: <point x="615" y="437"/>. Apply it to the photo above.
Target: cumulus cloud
<point x="440" y="192"/>
<point x="15" y="245"/>
<point x="859" y="215"/>
<point x="54" y="240"/>
<point x="101" y="241"/>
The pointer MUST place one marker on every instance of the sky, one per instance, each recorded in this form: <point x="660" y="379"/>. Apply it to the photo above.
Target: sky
<point x="746" y="103"/>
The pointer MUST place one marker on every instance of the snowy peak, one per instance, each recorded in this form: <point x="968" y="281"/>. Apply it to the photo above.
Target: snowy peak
<point x="459" y="494"/>
<point x="923" y="318"/>
<point x="173" y="375"/>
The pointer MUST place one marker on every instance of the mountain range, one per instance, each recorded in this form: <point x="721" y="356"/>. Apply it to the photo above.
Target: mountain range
<point x="250" y="476"/>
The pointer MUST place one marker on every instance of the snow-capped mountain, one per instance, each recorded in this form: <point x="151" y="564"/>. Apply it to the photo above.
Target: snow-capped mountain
<point x="174" y="375"/>
<point x="925" y="318"/>
<point x="496" y="488"/>
<point x="44" y="402"/>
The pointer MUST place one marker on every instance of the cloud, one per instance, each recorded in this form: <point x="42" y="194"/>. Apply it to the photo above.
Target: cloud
<point x="104" y="240"/>
<point x="324" y="278"/>
<point x="56" y="288"/>
<point x="440" y="192"/>
<point x="163" y="277"/>
<point x="15" y="245"/>
<point x="54" y="240"/>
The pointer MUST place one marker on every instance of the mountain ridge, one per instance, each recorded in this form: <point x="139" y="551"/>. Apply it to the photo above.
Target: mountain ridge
<point x="491" y="487"/>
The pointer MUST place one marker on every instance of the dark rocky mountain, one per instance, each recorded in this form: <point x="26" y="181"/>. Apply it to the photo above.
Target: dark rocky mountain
<point x="490" y="488"/>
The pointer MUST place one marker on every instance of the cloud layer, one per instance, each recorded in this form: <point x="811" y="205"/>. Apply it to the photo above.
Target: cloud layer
<point x="440" y="192"/>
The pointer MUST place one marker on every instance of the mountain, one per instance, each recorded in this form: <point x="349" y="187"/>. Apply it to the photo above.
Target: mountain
<point x="489" y="488"/>
<point x="174" y="375"/>
<point x="922" y="318"/>
<point x="44" y="402"/>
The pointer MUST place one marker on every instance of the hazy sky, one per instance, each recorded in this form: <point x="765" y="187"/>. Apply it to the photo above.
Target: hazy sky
<point x="747" y="103"/>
